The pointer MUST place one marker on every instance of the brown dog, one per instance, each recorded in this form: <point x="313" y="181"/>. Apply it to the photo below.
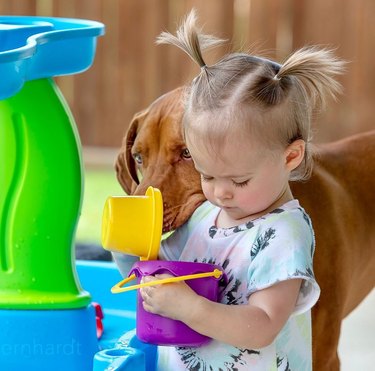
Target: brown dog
<point x="339" y="197"/>
<point x="155" y="134"/>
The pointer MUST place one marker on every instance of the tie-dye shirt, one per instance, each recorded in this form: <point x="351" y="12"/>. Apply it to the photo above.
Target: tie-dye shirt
<point x="276" y="247"/>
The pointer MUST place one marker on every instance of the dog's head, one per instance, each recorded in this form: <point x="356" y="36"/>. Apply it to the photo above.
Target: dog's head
<point x="153" y="153"/>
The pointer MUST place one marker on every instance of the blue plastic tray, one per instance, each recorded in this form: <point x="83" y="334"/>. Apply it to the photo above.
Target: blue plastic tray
<point x="40" y="47"/>
<point x="119" y="310"/>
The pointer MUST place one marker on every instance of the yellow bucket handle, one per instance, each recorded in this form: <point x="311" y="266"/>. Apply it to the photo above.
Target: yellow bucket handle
<point x="118" y="288"/>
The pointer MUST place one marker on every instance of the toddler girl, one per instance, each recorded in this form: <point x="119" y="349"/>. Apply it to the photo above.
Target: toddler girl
<point x="247" y="127"/>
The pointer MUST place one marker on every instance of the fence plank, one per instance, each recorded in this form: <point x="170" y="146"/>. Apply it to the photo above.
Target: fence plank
<point x="22" y="7"/>
<point x="263" y="22"/>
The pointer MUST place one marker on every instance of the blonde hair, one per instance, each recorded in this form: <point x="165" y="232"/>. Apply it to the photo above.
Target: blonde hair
<point x="272" y="102"/>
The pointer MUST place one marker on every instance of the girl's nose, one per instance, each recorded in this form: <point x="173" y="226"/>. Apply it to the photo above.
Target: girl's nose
<point x="222" y="192"/>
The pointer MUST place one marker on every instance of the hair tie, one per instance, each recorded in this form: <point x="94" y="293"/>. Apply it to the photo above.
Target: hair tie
<point x="276" y="78"/>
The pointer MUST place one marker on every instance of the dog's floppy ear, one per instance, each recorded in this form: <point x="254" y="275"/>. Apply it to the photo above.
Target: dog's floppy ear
<point x="125" y="165"/>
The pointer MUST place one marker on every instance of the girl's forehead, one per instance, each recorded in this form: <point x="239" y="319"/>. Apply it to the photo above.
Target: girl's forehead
<point x="230" y="159"/>
<point x="222" y="142"/>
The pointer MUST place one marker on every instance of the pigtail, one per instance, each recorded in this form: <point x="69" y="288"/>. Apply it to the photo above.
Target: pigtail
<point x="268" y="88"/>
<point x="311" y="70"/>
<point x="190" y="39"/>
<point x="315" y="71"/>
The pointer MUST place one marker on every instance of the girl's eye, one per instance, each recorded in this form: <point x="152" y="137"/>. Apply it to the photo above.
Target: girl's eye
<point x="206" y="178"/>
<point x="138" y="158"/>
<point x="241" y="184"/>
<point x="185" y="154"/>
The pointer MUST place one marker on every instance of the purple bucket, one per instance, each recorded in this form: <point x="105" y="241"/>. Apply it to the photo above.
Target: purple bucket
<point x="155" y="329"/>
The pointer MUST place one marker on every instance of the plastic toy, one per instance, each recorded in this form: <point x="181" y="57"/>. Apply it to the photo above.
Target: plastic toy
<point x="151" y="328"/>
<point x="132" y="225"/>
<point x="46" y="319"/>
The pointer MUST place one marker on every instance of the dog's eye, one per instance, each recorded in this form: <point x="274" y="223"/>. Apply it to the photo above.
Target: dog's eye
<point x="137" y="158"/>
<point x="185" y="153"/>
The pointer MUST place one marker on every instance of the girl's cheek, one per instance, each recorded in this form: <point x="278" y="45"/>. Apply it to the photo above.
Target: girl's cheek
<point x="206" y="190"/>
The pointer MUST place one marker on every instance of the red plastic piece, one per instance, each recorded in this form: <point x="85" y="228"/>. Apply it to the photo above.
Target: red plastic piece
<point x="99" y="316"/>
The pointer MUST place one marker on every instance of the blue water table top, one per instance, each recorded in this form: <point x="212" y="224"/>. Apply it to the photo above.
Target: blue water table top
<point x="39" y="47"/>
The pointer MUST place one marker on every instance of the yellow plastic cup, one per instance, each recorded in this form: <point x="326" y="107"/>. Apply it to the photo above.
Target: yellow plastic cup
<point x="132" y="225"/>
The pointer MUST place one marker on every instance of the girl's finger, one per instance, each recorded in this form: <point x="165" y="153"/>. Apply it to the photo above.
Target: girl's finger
<point x="162" y="276"/>
<point x="147" y="279"/>
<point x="145" y="292"/>
<point x="147" y="307"/>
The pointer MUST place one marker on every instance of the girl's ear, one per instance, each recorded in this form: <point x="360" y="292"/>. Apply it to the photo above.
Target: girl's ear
<point x="294" y="154"/>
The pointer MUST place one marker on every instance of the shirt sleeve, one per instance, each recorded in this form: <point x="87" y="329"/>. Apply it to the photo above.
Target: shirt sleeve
<point x="124" y="262"/>
<point x="282" y="251"/>
<point x="172" y="247"/>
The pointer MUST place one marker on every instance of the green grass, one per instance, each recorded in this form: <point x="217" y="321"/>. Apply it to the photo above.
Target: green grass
<point x="100" y="183"/>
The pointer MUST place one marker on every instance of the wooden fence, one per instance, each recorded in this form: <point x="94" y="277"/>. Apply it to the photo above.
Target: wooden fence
<point x="130" y="71"/>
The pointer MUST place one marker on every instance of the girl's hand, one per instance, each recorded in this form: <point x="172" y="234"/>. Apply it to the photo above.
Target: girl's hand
<point x="173" y="300"/>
